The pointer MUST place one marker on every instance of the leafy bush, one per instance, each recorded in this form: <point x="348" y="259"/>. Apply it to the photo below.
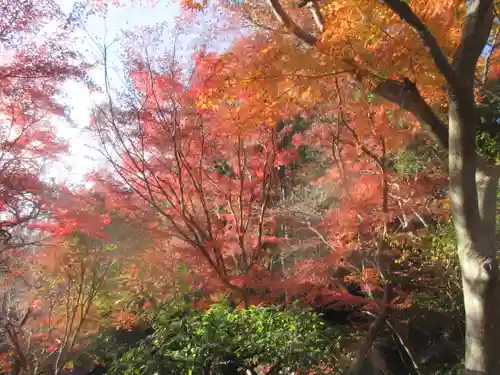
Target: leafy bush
<point x="111" y="344"/>
<point x="488" y="146"/>
<point x="224" y="340"/>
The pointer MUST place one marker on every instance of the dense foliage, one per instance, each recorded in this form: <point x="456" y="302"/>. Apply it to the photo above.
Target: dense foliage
<point x="223" y="340"/>
<point x="290" y="201"/>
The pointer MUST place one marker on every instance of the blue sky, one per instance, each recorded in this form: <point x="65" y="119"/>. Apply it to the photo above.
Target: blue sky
<point x="102" y="29"/>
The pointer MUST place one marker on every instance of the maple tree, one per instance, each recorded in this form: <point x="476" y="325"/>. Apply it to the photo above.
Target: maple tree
<point x="68" y="279"/>
<point x="34" y="65"/>
<point x="214" y="195"/>
<point x="37" y="59"/>
<point x="72" y="288"/>
<point x="211" y="192"/>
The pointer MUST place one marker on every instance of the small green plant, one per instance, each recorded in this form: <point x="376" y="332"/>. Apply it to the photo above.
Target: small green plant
<point x="416" y="157"/>
<point x="488" y="146"/>
<point x="440" y="260"/>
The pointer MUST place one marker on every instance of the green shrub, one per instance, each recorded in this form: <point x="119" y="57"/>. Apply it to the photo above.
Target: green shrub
<point x="223" y="339"/>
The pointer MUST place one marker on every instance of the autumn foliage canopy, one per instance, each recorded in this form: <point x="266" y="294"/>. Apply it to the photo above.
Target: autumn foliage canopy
<point x="274" y="169"/>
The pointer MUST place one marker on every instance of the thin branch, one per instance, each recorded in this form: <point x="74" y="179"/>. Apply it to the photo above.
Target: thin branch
<point x="487" y="63"/>
<point x="382" y="316"/>
<point x="317" y="14"/>
<point x="372" y="333"/>
<point x="403" y="10"/>
<point x="290" y="24"/>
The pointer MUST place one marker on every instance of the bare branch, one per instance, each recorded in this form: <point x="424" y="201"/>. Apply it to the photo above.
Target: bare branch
<point x="290" y="24"/>
<point x="371" y="335"/>
<point x="317" y="15"/>
<point x="402" y="341"/>
<point x="408" y="98"/>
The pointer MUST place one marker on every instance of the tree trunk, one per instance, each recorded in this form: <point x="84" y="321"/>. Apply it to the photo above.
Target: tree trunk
<point x="473" y="198"/>
<point x="481" y="292"/>
<point x="481" y="284"/>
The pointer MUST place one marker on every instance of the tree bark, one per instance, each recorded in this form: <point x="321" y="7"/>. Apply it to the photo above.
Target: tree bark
<point x="480" y="280"/>
<point x="473" y="200"/>
<point x="481" y="292"/>
<point x="473" y="185"/>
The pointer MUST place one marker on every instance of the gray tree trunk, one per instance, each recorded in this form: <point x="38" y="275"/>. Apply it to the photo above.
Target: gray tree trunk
<point x="474" y="216"/>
